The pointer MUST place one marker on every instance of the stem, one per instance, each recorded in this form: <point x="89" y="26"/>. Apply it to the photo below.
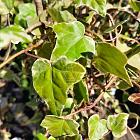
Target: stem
<point x="21" y="52"/>
<point x="36" y="25"/>
<point x="133" y="136"/>
<point x="39" y="7"/>
<point x="95" y="102"/>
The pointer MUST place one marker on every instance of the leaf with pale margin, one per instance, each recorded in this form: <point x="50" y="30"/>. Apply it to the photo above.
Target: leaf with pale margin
<point x="61" y="16"/>
<point x="110" y="59"/>
<point x="71" y="41"/>
<point x="3" y="8"/>
<point x="98" y="5"/>
<point x="14" y="34"/>
<point x="96" y="128"/>
<point x="118" y="124"/>
<point x="9" y="4"/>
<point x="51" y="81"/>
<point x="57" y="126"/>
<point x="27" y="13"/>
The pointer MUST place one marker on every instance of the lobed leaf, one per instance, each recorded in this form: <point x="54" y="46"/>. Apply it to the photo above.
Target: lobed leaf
<point x="98" y="5"/>
<point x="51" y="81"/>
<point x="97" y="128"/>
<point x="71" y="41"/>
<point x="57" y="126"/>
<point x="14" y="34"/>
<point x="118" y="124"/>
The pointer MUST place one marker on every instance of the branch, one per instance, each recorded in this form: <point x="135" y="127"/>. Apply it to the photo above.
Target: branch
<point x="39" y="7"/>
<point x="31" y="28"/>
<point x="95" y="102"/>
<point x="21" y="52"/>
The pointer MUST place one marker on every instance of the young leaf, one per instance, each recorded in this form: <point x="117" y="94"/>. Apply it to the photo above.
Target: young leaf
<point x="61" y="16"/>
<point x="110" y="59"/>
<point x="9" y="4"/>
<point x="71" y="41"/>
<point x="3" y="8"/>
<point x="98" y="5"/>
<point x="135" y="4"/>
<point x="14" y="34"/>
<point x="40" y="136"/>
<point x="80" y="92"/>
<point x="27" y="13"/>
<point x="118" y="124"/>
<point x="51" y="81"/>
<point x="57" y="126"/>
<point x="97" y="128"/>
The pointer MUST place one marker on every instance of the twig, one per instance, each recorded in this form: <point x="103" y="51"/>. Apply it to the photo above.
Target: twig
<point x="21" y="52"/>
<point x="32" y="55"/>
<point x="30" y="29"/>
<point x="126" y="11"/>
<point x="133" y="136"/>
<point x="95" y="34"/>
<point x="39" y="7"/>
<point x="95" y="102"/>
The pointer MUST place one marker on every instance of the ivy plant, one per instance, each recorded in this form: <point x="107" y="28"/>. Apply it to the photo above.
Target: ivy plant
<point x="78" y="58"/>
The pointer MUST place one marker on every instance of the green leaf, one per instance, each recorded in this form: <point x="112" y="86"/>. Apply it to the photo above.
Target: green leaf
<point x="45" y="50"/>
<point x="61" y="16"/>
<point x="51" y="81"/>
<point x="110" y="59"/>
<point x="135" y="61"/>
<point x="118" y="124"/>
<point x="40" y="136"/>
<point x="57" y="126"/>
<point x="81" y="92"/>
<point x="7" y="74"/>
<point x="114" y="26"/>
<point x="75" y="137"/>
<point x="134" y="56"/>
<point x="135" y="5"/>
<point x="131" y="52"/>
<point x="71" y="41"/>
<point x="51" y="138"/>
<point x="98" y="5"/>
<point x="96" y="128"/>
<point x="14" y="34"/>
<point x="123" y="85"/>
<point x="3" y="8"/>
<point x="27" y="13"/>
<point x="9" y="3"/>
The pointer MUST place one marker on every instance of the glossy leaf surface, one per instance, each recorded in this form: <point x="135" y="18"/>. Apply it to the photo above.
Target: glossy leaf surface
<point x="60" y="127"/>
<point x="110" y="59"/>
<point x="118" y="124"/>
<point x="97" y="128"/>
<point x="71" y="41"/>
<point x="51" y="81"/>
<point x="14" y="34"/>
<point x="97" y="5"/>
<point x="81" y="92"/>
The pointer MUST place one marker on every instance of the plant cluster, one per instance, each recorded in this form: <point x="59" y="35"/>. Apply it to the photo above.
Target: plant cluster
<point x="80" y="52"/>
